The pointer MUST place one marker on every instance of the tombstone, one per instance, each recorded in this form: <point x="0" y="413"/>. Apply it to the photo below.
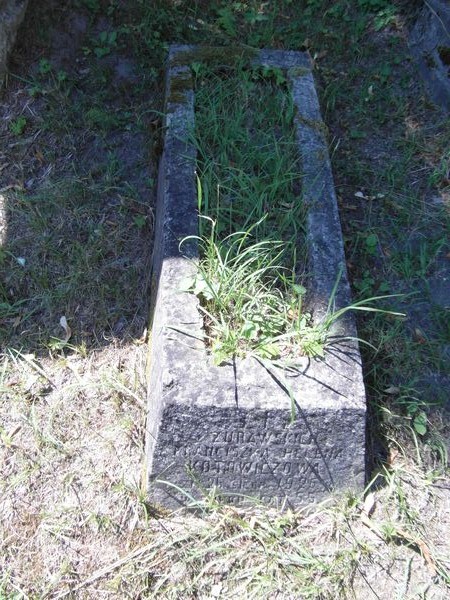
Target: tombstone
<point x="11" y="15"/>
<point x="248" y="430"/>
<point x="429" y="41"/>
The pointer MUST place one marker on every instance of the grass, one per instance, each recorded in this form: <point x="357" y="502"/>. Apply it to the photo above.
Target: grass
<point x="249" y="199"/>
<point x="260" y="552"/>
<point x="248" y="170"/>
<point x="75" y="520"/>
<point x="68" y="245"/>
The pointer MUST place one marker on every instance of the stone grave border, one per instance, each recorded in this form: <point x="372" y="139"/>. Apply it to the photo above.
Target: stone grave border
<point x="230" y="428"/>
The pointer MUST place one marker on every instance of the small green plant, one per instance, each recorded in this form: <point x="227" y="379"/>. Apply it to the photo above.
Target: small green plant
<point x="103" y="44"/>
<point x="371" y="244"/>
<point x="140" y="221"/>
<point x="45" y="67"/>
<point x="106" y="42"/>
<point x="416" y="260"/>
<point x="101" y="118"/>
<point x="17" y="126"/>
<point x="245" y="308"/>
<point x="48" y="80"/>
<point x="415" y="410"/>
<point x="227" y="20"/>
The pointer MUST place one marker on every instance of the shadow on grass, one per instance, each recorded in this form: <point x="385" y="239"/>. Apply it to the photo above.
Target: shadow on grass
<point x="76" y="189"/>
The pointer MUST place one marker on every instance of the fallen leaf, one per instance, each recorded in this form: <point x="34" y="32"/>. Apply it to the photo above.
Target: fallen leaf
<point x="425" y="551"/>
<point x="392" y="389"/>
<point x="65" y="326"/>
<point x="369" y="504"/>
<point x="420" y="336"/>
<point x="39" y="156"/>
<point x="421" y="545"/>
<point x="393" y="453"/>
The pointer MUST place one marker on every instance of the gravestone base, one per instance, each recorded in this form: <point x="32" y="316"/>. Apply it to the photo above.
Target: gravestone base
<point x="248" y="429"/>
<point x="248" y="453"/>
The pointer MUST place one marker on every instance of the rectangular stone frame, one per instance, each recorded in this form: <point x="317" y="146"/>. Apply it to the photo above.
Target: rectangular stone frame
<point x="231" y="427"/>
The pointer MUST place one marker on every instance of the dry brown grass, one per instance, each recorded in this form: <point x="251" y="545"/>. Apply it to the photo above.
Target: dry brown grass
<point x="71" y="454"/>
<point x="75" y="522"/>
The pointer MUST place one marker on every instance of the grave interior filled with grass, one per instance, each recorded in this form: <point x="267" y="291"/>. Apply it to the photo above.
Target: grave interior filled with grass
<point x="251" y="272"/>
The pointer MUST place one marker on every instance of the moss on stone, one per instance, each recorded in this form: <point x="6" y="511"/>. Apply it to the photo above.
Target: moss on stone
<point x="180" y="84"/>
<point x="212" y="55"/>
<point x="316" y="124"/>
<point x="299" y="71"/>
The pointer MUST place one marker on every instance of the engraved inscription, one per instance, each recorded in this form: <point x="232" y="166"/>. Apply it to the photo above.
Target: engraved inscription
<point x="245" y="436"/>
<point x="250" y="454"/>
<point x="247" y="459"/>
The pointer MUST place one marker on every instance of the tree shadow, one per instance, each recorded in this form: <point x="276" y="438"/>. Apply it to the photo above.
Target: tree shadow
<point x="76" y="187"/>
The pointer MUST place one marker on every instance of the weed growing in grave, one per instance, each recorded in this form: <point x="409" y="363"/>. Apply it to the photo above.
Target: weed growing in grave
<point x="248" y="187"/>
<point x="248" y="164"/>
<point x="245" y="307"/>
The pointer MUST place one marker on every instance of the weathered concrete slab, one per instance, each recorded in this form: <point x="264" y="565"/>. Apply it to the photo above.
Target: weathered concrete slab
<point x="430" y="44"/>
<point x="11" y="15"/>
<point x="231" y="427"/>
